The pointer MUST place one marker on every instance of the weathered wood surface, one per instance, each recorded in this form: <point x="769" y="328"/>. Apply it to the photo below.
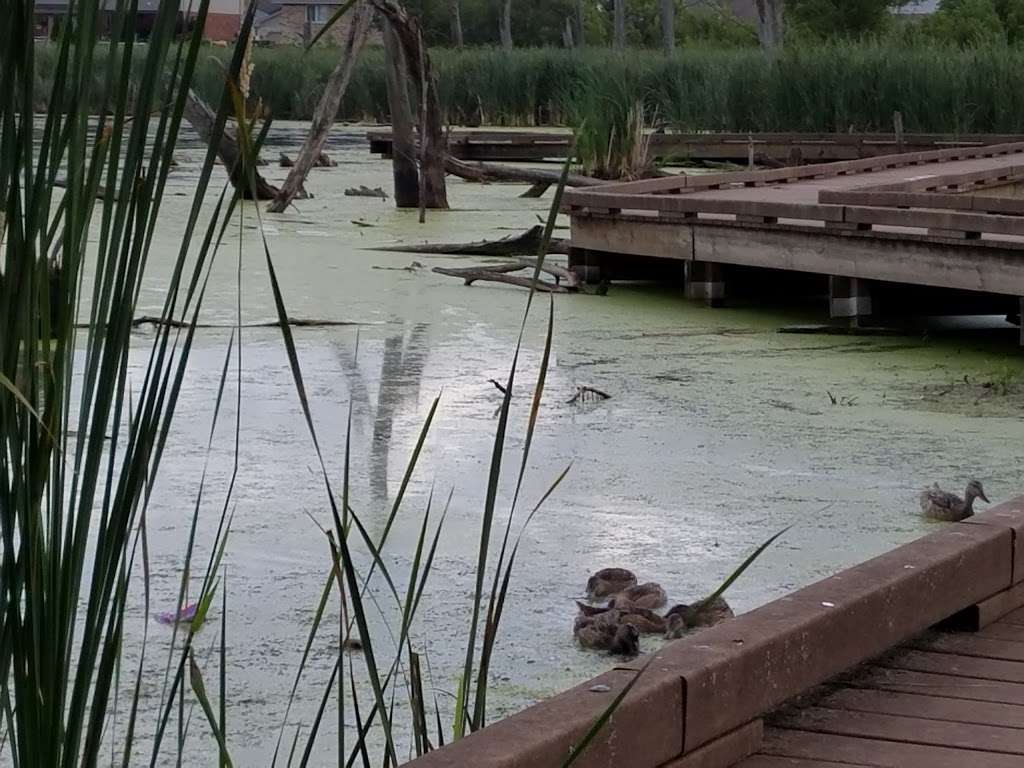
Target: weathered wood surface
<point x="831" y="669"/>
<point x="525" y="146"/>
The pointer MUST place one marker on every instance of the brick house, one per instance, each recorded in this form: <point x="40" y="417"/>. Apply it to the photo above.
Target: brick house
<point x="298" y="21"/>
<point x="222" y="21"/>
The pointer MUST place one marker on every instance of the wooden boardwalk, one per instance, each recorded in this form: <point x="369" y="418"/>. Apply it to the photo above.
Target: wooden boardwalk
<point x="949" y="219"/>
<point x="914" y="659"/>
<point x="945" y="700"/>
<point x="768" y="148"/>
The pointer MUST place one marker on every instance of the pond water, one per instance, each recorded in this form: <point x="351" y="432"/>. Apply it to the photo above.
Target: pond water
<point x="719" y="432"/>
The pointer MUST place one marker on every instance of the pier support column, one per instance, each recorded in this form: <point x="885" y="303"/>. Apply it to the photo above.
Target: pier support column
<point x="586" y="265"/>
<point x="705" y="280"/>
<point x="849" y="298"/>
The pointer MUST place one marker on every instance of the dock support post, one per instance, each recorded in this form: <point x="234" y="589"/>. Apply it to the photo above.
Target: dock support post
<point x="705" y="280"/>
<point x="849" y="298"/>
<point x="585" y="265"/>
<point x="1020" y="319"/>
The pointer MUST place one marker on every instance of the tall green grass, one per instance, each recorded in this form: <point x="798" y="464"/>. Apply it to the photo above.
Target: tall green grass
<point x="828" y="87"/>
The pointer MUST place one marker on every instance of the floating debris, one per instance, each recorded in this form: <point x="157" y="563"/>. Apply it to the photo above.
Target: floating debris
<point x="588" y="394"/>
<point x="186" y="614"/>
<point x="364" y="191"/>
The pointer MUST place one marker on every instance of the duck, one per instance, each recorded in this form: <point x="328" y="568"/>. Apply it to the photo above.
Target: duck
<point x="649" y="595"/>
<point x="607" y="635"/>
<point x="646" y="621"/>
<point x="682" y="619"/>
<point x="941" y="505"/>
<point x="609" y="581"/>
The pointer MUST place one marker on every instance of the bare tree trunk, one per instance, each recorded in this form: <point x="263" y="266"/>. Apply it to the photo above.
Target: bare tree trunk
<point x="326" y="109"/>
<point x="505" y="24"/>
<point x="403" y="148"/>
<point x="202" y="118"/>
<point x="567" y="40"/>
<point x="668" y="26"/>
<point x="581" y="22"/>
<point x="433" y="141"/>
<point x="620" y="25"/>
<point x="455" y="14"/>
<point x="770" y="29"/>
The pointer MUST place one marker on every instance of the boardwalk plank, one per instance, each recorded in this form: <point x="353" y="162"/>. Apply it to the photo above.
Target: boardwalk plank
<point x="1014" y="617"/>
<point x="1003" y="631"/>
<point x="954" y="664"/>
<point x="775" y="761"/>
<point x="925" y="707"/>
<point x="912" y="730"/>
<point x="948" y="686"/>
<point x="972" y="645"/>
<point x="874" y="752"/>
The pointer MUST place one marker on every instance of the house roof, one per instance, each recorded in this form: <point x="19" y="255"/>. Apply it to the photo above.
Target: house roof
<point x="918" y="7"/>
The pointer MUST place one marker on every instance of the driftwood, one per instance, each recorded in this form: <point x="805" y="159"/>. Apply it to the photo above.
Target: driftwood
<point x="324" y="161"/>
<point x="433" y="141"/>
<point x="486" y="172"/>
<point x="583" y="394"/>
<point x="566" y="281"/>
<point x="295" y="322"/>
<point x="326" y="110"/>
<point x="202" y="118"/>
<point x="471" y="275"/>
<point x="364" y="191"/>
<point x="525" y="244"/>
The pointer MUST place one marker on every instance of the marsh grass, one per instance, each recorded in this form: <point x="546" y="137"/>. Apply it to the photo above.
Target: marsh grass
<point x="812" y="87"/>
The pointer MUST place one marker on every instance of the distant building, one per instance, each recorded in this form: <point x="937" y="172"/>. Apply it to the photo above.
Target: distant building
<point x="298" y="21"/>
<point x="223" y="18"/>
<point x="917" y="8"/>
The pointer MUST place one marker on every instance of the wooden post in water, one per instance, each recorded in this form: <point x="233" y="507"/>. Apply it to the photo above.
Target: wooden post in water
<point x="849" y="298"/>
<point x="706" y="280"/>
<point x="897" y="126"/>
<point x="750" y="151"/>
<point x="403" y="143"/>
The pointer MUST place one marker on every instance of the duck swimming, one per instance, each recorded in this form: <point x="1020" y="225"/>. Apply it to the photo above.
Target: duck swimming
<point x="646" y="621"/>
<point x="649" y="595"/>
<point x="607" y="634"/>
<point x="941" y="505"/>
<point x="683" y="618"/>
<point x="608" y="581"/>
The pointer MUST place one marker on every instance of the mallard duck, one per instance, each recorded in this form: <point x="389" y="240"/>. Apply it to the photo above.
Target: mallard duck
<point x="646" y="621"/>
<point x="940" y="505"/>
<point x="649" y="595"/>
<point x="603" y="635"/>
<point x="608" y="581"/>
<point x="683" y="618"/>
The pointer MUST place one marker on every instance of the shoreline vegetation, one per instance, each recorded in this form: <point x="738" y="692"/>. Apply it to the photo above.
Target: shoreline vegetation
<point x="828" y="87"/>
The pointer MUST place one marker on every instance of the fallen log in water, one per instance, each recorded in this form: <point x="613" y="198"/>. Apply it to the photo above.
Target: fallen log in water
<point x="485" y="172"/>
<point x="525" y="244"/>
<point x="473" y="274"/>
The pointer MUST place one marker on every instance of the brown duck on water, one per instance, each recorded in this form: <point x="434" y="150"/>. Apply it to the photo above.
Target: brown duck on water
<point x="608" y="581"/>
<point x="646" y="621"/>
<point x="682" y="619"/>
<point x="940" y="505"/>
<point x="604" y="632"/>
<point x="649" y="595"/>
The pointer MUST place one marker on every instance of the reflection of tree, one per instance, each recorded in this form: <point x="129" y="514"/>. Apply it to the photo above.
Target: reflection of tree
<point x="400" y="374"/>
<point x="401" y="370"/>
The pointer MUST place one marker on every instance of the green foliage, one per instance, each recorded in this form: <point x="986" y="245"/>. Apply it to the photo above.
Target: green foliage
<point x="824" y="19"/>
<point x="965" y="23"/>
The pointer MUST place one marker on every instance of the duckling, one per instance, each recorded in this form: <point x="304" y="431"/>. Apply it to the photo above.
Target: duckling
<point x="646" y="621"/>
<point x="618" y="639"/>
<point x="683" y="618"/>
<point x="649" y="595"/>
<point x="608" y="581"/>
<point x="940" y="505"/>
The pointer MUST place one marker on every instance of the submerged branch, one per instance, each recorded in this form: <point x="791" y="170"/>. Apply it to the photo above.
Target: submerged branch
<point x="525" y="244"/>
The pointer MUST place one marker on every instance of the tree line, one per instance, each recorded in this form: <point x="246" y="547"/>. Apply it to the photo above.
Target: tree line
<point x="670" y="24"/>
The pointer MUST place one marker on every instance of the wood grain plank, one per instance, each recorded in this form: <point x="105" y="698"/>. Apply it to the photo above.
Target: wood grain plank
<point x="971" y="645"/>
<point x="948" y="686"/>
<point x="925" y="707"/>
<point x="1001" y="630"/>
<point x="1014" y="617"/>
<point x="954" y="664"/>
<point x="775" y="761"/>
<point x="874" y="752"/>
<point x="911" y="730"/>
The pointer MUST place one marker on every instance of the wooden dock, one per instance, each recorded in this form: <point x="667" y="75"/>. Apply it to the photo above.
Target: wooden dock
<point x="672" y="147"/>
<point x="914" y="659"/>
<point x="946" y="219"/>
